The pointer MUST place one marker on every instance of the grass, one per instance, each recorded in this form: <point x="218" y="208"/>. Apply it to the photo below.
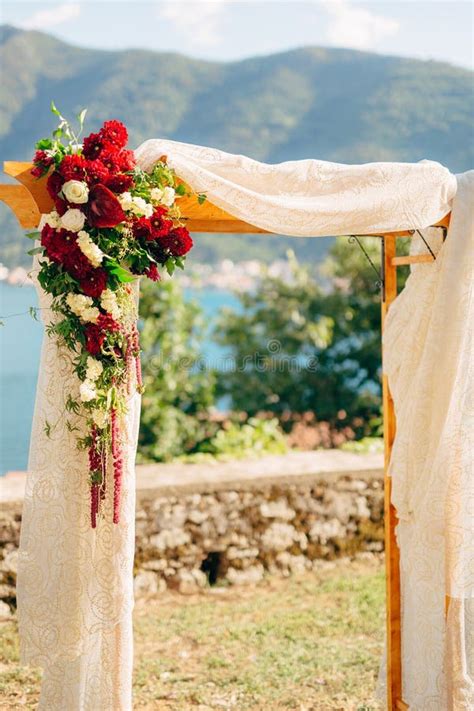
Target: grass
<point x="310" y="642"/>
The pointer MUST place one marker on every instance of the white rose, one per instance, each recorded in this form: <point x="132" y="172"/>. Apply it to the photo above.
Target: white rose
<point x="82" y="306"/>
<point x="73" y="220"/>
<point x="168" y="197"/>
<point x="90" y="314"/>
<point x="156" y="194"/>
<point x="76" y="191"/>
<point x="100" y="418"/>
<point x="141" y="207"/>
<point x="50" y="218"/>
<point x="94" y="369"/>
<point x="87" y="391"/>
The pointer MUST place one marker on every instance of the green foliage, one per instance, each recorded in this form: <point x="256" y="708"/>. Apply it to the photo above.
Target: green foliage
<point x="178" y="390"/>
<point x="254" y="437"/>
<point x="309" y="345"/>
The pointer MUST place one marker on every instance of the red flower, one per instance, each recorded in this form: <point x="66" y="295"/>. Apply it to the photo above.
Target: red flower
<point x="103" y="209"/>
<point x="42" y="163"/>
<point x="153" y="273"/>
<point x="159" y="225"/>
<point x="107" y="323"/>
<point x="178" y="241"/>
<point x="142" y="228"/>
<point x="76" y="263"/>
<point x="119" y="183"/>
<point x="114" y="132"/>
<point x="73" y="167"/>
<point x="96" y="172"/>
<point x="37" y="171"/>
<point x="110" y="158"/>
<point x="94" y="283"/>
<point x="59" y="244"/>
<point x="93" y="145"/>
<point x="95" y="337"/>
<point x="126" y="160"/>
<point x="54" y="184"/>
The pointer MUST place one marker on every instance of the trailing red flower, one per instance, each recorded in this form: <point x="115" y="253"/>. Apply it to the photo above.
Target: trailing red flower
<point x="95" y="338"/>
<point x="117" y="463"/>
<point x="73" y="167"/>
<point x="94" y="282"/>
<point x="178" y="241"/>
<point x="114" y="132"/>
<point x="103" y="209"/>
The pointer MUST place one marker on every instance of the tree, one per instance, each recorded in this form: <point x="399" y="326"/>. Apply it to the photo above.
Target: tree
<point x="178" y="391"/>
<point x="309" y="345"/>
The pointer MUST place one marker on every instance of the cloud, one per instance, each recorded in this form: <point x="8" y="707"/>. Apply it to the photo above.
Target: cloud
<point x="45" y="19"/>
<point x="199" y="21"/>
<point x="356" y="27"/>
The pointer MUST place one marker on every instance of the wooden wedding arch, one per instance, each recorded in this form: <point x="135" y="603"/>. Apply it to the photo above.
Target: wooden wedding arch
<point x="29" y="200"/>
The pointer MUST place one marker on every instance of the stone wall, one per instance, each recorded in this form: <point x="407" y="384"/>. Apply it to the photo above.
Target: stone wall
<point x="196" y="526"/>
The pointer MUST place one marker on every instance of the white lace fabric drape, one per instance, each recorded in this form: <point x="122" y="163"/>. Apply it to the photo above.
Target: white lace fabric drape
<point x="75" y="584"/>
<point x="429" y="360"/>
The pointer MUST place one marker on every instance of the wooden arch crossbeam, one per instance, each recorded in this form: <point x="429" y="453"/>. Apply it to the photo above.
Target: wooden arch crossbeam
<point x="30" y="199"/>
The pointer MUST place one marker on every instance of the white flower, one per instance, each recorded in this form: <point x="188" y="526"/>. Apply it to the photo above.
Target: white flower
<point x="93" y="253"/>
<point x="94" y="369"/>
<point x="76" y="191"/>
<point x="87" y="391"/>
<point x="168" y="197"/>
<point x="156" y="194"/>
<point x="50" y="218"/>
<point x="82" y="306"/>
<point x="100" y="418"/>
<point x="126" y="201"/>
<point x="142" y="207"/>
<point x="73" y="220"/>
<point x="108" y="301"/>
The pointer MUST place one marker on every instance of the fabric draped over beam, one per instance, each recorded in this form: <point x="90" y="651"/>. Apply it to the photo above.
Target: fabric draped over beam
<point x="74" y="583"/>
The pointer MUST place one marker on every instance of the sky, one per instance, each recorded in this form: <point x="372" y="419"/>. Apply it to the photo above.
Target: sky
<point x="226" y="30"/>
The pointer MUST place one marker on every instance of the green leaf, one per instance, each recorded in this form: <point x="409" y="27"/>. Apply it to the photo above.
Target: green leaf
<point x="44" y="144"/>
<point x="202" y="198"/>
<point x="33" y="235"/>
<point x="54" y="109"/>
<point x="119" y="272"/>
<point x="179" y="261"/>
<point x="180" y="189"/>
<point x="35" y="250"/>
<point x="33" y="311"/>
<point x="170" y="266"/>
<point x="58" y="132"/>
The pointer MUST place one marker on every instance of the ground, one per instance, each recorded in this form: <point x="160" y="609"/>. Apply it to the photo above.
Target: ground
<point x="311" y="642"/>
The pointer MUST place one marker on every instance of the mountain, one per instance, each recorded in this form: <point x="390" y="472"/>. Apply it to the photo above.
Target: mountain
<point x="333" y="104"/>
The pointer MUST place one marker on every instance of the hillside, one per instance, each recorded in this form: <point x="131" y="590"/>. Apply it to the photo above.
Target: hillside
<point x="332" y="104"/>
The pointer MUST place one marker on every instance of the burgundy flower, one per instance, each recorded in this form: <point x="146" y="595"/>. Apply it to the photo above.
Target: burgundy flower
<point x="54" y="184"/>
<point x="59" y="244"/>
<point x="43" y="159"/>
<point x="93" y="145"/>
<point x="76" y="263"/>
<point x="119" y="183"/>
<point x="103" y="209"/>
<point x="73" y="167"/>
<point x="107" y="323"/>
<point x="178" y="241"/>
<point x="142" y="228"/>
<point x="94" y="283"/>
<point x="95" y="338"/>
<point x="61" y="205"/>
<point x="96" y="172"/>
<point x="160" y="226"/>
<point x="37" y="171"/>
<point x="153" y="273"/>
<point x="114" y="132"/>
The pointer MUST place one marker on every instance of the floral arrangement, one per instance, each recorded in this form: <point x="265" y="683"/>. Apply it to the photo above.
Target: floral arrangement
<point x="111" y="223"/>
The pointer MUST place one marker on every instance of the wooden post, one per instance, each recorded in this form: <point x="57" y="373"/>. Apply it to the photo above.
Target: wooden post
<point x="392" y="556"/>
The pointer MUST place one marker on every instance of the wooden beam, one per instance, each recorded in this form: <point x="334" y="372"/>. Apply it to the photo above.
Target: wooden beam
<point x="411" y="259"/>
<point x="392" y="556"/>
